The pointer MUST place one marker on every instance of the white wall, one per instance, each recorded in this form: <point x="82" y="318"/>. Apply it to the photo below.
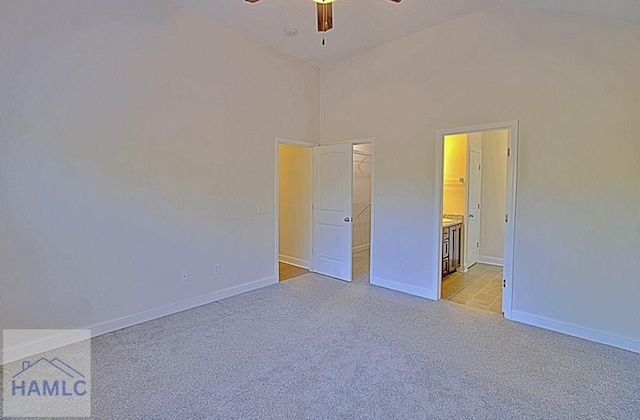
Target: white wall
<point x="362" y="197"/>
<point x="494" y="195"/>
<point x="136" y="141"/>
<point x="572" y="83"/>
<point x="294" y="200"/>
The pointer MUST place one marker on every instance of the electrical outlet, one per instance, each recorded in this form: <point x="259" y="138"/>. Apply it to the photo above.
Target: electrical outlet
<point x="184" y="276"/>
<point x="217" y="269"/>
<point x="262" y="208"/>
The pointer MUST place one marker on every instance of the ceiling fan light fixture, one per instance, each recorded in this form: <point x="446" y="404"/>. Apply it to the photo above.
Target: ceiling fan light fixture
<point x="324" y="10"/>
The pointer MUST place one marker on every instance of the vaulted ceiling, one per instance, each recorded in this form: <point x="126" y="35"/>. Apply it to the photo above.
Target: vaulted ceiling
<point x="360" y="25"/>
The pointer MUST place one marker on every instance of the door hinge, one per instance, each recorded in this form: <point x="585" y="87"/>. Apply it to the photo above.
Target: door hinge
<point x="506" y="218"/>
<point x="504" y="282"/>
<point x="478" y="206"/>
<point x="478" y="244"/>
<point x="508" y="152"/>
<point x="479" y="167"/>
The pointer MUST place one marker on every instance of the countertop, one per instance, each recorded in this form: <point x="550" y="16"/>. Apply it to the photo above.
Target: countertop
<point x="450" y="222"/>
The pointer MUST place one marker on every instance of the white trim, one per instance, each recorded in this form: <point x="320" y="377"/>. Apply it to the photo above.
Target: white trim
<point x="361" y="247"/>
<point x="298" y="262"/>
<point x="41" y="345"/>
<point x="63" y="339"/>
<point x="374" y="154"/>
<point x="353" y="141"/>
<point x="586" y="333"/>
<point x="438" y="193"/>
<point x="404" y="288"/>
<point x="276" y="205"/>
<point x="510" y="226"/>
<point x="436" y="279"/>
<point x="491" y="260"/>
<point x="295" y="142"/>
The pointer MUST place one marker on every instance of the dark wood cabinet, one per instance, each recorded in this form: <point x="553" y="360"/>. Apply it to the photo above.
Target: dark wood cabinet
<point x="456" y="245"/>
<point x="445" y="251"/>
<point x="451" y="248"/>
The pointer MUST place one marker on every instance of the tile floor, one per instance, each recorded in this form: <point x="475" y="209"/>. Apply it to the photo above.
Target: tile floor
<point x="360" y="267"/>
<point x="480" y="287"/>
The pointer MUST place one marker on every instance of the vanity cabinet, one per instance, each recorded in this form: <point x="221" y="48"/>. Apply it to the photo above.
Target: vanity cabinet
<point x="451" y="248"/>
<point x="456" y="246"/>
<point x="445" y="252"/>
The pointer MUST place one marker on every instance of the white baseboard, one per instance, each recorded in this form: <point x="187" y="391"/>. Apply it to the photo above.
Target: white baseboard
<point x="298" y="262"/>
<point x="625" y="343"/>
<point x="62" y="339"/>
<point x="405" y="288"/>
<point x="55" y="339"/>
<point x="361" y="247"/>
<point x="491" y="260"/>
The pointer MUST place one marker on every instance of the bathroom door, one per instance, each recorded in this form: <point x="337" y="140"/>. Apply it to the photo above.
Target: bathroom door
<point x="332" y="207"/>
<point x="473" y="208"/>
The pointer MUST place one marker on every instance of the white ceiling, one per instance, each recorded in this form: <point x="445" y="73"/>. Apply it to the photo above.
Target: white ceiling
<point x="360" y="25"/>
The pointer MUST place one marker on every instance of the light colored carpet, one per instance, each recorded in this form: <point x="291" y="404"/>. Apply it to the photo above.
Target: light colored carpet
<point x="314" y="347"/>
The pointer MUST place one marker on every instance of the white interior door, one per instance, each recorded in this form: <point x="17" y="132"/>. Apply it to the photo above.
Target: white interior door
<point x="332" y="218"/>
<point x="473" y="208"/>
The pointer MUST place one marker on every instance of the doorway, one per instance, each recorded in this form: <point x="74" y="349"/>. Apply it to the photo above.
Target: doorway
<point x="362" y="166"/>
<point x="475" y="215"/>
<point x="294" y="196"/>
<point x="324" y="209"/>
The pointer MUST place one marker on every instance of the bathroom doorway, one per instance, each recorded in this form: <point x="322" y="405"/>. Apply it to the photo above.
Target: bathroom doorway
<point x="475" y="223"/>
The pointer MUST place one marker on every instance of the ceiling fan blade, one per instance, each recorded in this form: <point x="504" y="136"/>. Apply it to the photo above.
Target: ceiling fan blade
<point x="395" y="1"/>
<point x="325" y="16"/>
<point x="252" y="1"/>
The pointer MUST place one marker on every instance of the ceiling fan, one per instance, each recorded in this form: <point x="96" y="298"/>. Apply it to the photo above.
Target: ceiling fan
<point x="324" y="9"/>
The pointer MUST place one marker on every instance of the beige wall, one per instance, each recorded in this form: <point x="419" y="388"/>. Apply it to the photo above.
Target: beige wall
<point x="454" y="193"/>
<point x="136" y="141"/>
<point x="494" y="195"/>
<point x="572" y="83"/>
<point x="294" y="198"/>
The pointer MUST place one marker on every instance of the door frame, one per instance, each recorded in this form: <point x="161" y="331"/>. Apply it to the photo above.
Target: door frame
<point x="509" y="239"/>
<point x="276" y="212"/>
<point x="276" y="224"/>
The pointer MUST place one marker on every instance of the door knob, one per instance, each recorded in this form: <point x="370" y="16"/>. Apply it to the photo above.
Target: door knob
<point x="348" y="219"/>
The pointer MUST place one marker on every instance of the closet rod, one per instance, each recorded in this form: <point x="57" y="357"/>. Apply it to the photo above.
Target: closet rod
<point x="361" y="152"/>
